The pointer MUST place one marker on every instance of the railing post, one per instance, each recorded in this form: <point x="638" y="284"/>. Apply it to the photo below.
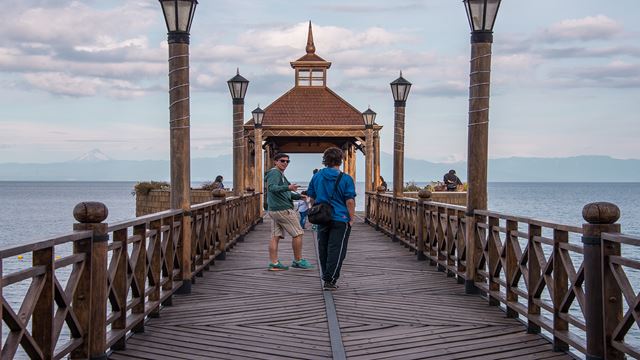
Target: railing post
<point x="156" y="267"/>
<point x="220" y="195"/>
<point x="90" y="216"/>
<point x="423" y="195"/>
<point x="139" y="275"/>
<point x="494" y="259"/>
<point x="512" y="267"/>
<point x="42" y="324"/>
<point x="560" y="283"/>
<point x="612" y="299"/>
<point x="120" y="285"/>
<point x="379" y="191"/>
<point x="601" y="218"/>
<point x="534" y="277"/>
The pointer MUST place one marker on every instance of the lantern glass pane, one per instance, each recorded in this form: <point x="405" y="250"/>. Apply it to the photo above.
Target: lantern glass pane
<point x="169" y="9"/>
<point x="394" y="90"/>
<point x="243" y="89"/>
<point x="184" y="15"/>
<point x="492" y="10"/>
<point x="476" y="8"/>
<point x="402" y="92"/>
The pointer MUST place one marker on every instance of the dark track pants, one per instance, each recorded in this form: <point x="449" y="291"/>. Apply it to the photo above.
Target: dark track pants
<point x="332" y="247"/>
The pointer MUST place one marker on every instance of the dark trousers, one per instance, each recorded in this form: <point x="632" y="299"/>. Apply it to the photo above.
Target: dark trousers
<point x="332" y="247"/>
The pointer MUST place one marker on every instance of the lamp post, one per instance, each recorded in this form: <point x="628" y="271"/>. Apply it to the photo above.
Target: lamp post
<point x="178" y="16"/>
<point x="258" y="115"/>
<point x="481" y="15"/>
<point x="238" y="88"/>
<point x="369" y="117"/>
<point x="400" y="89"/>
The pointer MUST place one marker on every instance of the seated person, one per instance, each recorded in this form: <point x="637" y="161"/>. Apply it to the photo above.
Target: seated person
<point x="451" y="181"/>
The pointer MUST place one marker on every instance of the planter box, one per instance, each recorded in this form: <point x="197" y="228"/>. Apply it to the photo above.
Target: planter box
<point x="159" y="200"/>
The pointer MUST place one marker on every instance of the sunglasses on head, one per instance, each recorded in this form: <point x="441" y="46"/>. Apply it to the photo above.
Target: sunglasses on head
<point x="285" y="161"/>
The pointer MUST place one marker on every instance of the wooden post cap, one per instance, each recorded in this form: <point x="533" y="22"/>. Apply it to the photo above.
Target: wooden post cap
<point x="381" y="188"/>
<point x="601" y="213"/>
<point x="424" y="194"/>
<point x="90" y="212"/>
<point x="219" y="193"/>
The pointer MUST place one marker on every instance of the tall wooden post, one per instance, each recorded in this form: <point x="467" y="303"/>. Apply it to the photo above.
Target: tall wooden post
<point x="477" y="147"/>
<point x="238" y="147"/>
<point x="368" y="162"/>
<point x="259" y="173"/>
<point x="249" y="165"/>
<point x="600" y="218"/>
<point x="398" y="149"/>
<point x="352" y="161"/>
<point x="179" y="124"/>
<point x="376" y="164"/>
<point x="90" y="216"/>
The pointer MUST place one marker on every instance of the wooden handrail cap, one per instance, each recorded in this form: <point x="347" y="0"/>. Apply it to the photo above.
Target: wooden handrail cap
<point x="88" y="212"/>
<point x="424" y="194"/>
<point x="219" y="193"/>
<point x="601" y="213"/>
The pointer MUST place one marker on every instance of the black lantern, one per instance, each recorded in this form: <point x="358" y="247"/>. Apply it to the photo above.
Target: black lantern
<point x="238" y="87"/>
<point x="178" y="16"/>
<point x="400" y="88"/>
<point x="481" y="14"/>
<point x="369" y="117"/>
<point x="258" y="115"/>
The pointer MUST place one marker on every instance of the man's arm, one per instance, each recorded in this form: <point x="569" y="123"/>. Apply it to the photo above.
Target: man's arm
<point x="273" y="182"/>
<point x="351" y="207"/>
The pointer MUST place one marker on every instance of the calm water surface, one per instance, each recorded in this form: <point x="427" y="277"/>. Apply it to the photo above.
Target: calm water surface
<point x="37" y="210"/>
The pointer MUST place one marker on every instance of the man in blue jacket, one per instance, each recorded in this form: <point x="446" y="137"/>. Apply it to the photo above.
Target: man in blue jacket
<point x="334" y="236"/>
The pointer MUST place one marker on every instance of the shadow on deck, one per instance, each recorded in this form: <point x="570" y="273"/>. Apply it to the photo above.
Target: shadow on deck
<point x="388" y="306"/>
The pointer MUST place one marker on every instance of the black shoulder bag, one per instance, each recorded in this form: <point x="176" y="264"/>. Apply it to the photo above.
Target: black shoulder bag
<point x="321" y="213"/>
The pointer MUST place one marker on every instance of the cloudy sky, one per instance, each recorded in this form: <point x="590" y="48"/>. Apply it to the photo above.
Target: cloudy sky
<point x="79" y="75"/>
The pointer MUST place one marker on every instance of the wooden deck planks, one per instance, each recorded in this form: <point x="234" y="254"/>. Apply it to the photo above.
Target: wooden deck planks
<point x="389" y="306"/>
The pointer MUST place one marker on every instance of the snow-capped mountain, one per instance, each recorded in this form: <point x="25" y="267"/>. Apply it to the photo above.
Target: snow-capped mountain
<point x="94" y="155"/>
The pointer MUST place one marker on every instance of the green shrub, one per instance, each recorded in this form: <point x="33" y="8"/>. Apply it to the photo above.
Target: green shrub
<point x="144" y="187"/>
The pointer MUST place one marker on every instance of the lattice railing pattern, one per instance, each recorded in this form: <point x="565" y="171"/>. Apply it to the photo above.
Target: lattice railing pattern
<point x="55" y="315"/>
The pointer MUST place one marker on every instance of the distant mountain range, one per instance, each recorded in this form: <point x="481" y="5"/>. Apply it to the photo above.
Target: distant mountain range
<point x="96" y="166"/>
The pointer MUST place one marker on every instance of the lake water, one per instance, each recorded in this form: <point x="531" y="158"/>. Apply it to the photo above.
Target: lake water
<point x="37" y="210"/>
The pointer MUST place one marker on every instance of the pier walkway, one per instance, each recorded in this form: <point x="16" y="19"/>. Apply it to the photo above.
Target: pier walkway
<point x="388" y="306"/>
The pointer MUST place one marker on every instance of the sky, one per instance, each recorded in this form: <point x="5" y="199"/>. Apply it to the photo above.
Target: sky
<point x="92" y="74"/>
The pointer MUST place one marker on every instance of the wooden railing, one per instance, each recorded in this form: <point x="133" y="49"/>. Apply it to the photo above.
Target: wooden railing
<point x="84" y="292"/>
<point x="567" y="281"/>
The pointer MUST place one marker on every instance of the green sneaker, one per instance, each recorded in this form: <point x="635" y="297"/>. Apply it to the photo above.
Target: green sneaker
<point x="278" y="266"/>
<point x="301" y="264"/>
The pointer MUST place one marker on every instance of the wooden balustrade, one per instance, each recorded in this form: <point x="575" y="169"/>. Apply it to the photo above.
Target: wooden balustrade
<point x="535" y="269"/>
<point x="85" y="291"/>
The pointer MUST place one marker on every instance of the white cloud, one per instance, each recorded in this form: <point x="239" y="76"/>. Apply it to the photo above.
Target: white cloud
<point x="599" y="27"/>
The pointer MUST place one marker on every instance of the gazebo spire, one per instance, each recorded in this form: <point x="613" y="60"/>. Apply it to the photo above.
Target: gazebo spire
<point x="311" y="48"/>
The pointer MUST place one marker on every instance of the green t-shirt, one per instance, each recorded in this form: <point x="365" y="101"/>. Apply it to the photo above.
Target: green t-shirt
<point x="279" y="197"/>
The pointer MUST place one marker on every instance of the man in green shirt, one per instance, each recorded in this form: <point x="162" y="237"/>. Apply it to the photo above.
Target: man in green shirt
<point x="280" y="196"/>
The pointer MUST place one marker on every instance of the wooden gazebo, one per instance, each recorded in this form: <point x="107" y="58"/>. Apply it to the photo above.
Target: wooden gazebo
<point x="310" y="118"/>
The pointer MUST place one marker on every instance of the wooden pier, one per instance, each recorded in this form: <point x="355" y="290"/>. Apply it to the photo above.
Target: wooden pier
<point x="140" y="289"/>
<point x="388" y="306"/>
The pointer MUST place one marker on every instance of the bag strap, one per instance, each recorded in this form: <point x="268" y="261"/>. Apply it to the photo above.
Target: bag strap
<point x="335" y="187"/>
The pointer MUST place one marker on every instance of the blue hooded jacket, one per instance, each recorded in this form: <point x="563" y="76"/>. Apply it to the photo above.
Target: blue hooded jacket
<point x="321" y="187"/>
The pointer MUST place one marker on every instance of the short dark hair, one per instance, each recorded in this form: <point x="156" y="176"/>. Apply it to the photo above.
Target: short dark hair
<point x="332" y="157"/>
<point x="279" y="156"/>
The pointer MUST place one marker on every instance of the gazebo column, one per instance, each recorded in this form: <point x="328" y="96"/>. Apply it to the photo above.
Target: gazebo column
<point x="249" y="175"/>
<point x="376" y="164"/>
<point x="352" y="160"/>
<point x="368" y="165"/>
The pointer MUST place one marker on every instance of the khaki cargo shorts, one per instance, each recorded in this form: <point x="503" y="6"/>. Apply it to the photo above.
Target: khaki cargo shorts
<point x="285" y="220"/>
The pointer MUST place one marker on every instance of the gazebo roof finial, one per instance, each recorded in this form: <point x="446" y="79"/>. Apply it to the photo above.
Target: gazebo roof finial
<point x="311" y="48"/>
